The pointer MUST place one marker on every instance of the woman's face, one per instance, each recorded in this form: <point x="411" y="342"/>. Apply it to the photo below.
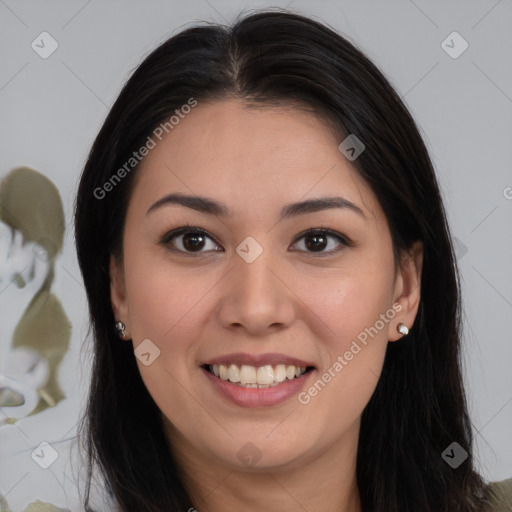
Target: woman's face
<point x="256" y="290"/>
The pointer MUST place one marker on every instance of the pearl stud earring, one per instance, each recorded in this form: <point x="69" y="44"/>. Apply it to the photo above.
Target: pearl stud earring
<point x="402" y="328"/>
<point x="120" y="327"/>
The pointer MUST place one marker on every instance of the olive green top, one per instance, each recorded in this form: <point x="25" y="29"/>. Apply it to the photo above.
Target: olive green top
<point x="500" y="495"/>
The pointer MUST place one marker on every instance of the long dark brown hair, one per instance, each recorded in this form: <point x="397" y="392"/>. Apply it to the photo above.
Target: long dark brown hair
<point x="419" y="406"/>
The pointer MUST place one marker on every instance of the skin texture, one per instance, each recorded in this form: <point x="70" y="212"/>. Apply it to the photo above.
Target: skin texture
<point x="197" y="306"/>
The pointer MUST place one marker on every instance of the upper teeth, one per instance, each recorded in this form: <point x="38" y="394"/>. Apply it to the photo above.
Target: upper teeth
<point x="264" y="375"/>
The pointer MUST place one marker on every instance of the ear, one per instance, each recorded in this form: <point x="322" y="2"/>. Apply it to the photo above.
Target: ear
<point x="407" y="289"/>
<point x="118" y="292"/>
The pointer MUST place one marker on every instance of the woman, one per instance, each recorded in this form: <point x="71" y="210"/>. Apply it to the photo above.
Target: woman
<point x="260" y="221"/>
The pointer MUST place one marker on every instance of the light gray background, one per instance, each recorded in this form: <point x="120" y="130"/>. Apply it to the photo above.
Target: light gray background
<point x="51" y="110"/>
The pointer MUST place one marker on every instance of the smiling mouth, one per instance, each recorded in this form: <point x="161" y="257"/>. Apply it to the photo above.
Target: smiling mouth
<point x="248" y="376"/>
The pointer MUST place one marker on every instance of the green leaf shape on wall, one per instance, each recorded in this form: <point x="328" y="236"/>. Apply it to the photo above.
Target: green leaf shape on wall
<point x="45" y="327"/>
<point x="36" y="506"/>
<point x="31" y="203"/>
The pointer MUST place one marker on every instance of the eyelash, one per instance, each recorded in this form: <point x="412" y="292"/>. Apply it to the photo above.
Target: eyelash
<point x="345" y="242"/>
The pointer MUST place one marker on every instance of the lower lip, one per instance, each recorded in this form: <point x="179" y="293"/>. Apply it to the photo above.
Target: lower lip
<point x="258" y="397"/>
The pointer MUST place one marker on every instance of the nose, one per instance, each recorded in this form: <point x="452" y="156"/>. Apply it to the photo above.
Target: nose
<point x="256" y="297"/>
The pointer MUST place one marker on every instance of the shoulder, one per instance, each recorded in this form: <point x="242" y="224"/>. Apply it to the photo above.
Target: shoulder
<point x="500" y="496"/>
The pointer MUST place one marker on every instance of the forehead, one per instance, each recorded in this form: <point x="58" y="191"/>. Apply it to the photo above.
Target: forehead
<point x="249" y="156"/>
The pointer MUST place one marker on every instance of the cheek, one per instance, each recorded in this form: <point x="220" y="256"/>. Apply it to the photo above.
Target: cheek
<point x="167" y="306"/>
<point x="349" y="302"/>
<point x="164" y="307"/>
<point x="162" y="299"/>
<point x="356" y="307"/>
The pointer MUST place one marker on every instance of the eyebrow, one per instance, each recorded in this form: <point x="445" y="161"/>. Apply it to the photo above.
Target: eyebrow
<point x="210" y="206"/>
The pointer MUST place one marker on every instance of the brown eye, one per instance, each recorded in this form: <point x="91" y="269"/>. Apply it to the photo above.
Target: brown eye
<point x="316" y="241"/>
<point x="188" y="240"/>
<point x="193" y="241"/>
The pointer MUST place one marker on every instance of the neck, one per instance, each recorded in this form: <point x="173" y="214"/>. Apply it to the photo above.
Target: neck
<point x="323" y="483"/>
